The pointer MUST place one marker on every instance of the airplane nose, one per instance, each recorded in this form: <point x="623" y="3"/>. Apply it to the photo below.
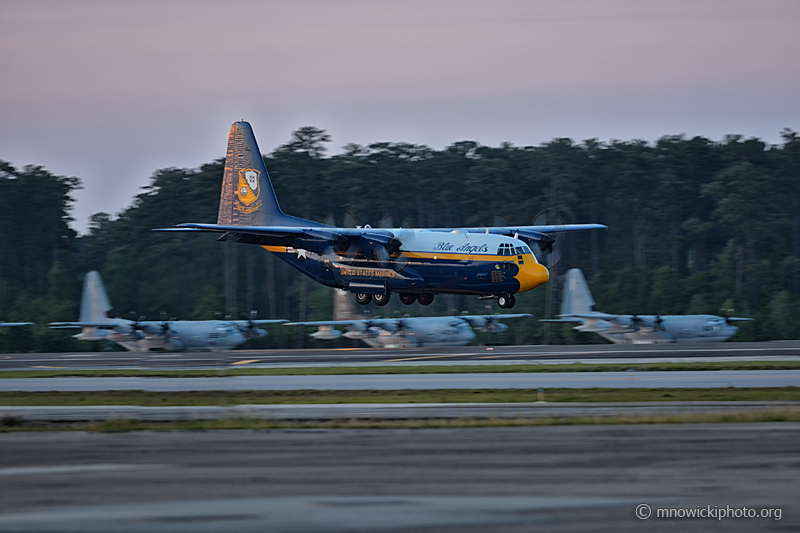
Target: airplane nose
<point x="531" y="275"/>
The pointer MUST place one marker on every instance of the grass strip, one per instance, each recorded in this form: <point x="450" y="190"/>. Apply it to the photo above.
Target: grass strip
<point x="126" y="425"/>
<point x="432" y="369"/>
<point x="227" y="398"/>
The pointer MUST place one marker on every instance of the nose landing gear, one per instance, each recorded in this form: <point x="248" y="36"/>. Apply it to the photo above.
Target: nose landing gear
<point x="506" y="301"/>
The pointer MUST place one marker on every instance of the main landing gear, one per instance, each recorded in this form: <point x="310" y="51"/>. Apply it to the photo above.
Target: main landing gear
<point x="379" y="299"/>
<point x="407" y="298"/>
<point x="383" y="299"/>
<point x="363" y="299"/>
<point x="425" y="299"/>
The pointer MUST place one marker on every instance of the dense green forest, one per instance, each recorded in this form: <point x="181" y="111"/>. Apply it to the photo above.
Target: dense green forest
<point x="695" y="226"/>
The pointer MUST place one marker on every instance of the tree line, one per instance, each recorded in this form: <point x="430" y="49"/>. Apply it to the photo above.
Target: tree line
<point x="695" y="226"/>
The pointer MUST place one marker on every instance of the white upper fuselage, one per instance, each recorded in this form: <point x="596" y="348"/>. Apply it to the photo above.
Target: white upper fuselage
<point x="169" y="335"/>
<point x="422" y="331"/>
<point x="650" y="329"/>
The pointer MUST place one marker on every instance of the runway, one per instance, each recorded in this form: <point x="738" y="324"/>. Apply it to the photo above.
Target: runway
<point x="509" y="480"/>
<point x="571" y="380"/>
<point x="779" y="350"/>
<point x="389" y="411"/>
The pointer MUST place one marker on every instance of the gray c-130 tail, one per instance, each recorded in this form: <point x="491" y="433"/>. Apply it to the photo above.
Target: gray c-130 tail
<point x="247" y="197"/>
<point x="577" y="298"/>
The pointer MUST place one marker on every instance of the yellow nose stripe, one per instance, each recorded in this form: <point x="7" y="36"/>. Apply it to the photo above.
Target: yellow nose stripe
<point x="531" y="275"/>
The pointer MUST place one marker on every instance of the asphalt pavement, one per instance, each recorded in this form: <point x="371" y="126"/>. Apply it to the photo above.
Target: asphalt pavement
<point x="780" y="350"/>
<point x="390" y="411"/>
<point x="515" y="380"/>
<point x="510" y="480"/>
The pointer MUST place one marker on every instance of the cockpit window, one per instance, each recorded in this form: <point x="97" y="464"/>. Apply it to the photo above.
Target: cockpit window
<point x="507" y="248"/>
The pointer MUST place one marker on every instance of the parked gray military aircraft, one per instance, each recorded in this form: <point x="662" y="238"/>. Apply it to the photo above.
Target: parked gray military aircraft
<point x="489" y="262"/>
<point x="404" y="332"/>
<point x="578" y="306"/>
<point x="143" y="336"/>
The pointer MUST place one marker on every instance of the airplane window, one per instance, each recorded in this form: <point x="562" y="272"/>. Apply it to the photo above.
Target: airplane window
<point x="527" y="250"/>
<point x="520" y="251"/>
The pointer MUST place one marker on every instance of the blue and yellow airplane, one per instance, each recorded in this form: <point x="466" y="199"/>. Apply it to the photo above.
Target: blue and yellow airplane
<point x="417" y="264"/>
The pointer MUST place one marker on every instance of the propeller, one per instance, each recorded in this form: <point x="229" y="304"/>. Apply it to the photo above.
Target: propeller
<point x="343" y="250"/>
<point x="136" y="327"/>
<point x="490" y="324"/>
<point x="250" y="331"/>
<point x="389" y="255"/>
<point x="400" y="326"/>
<point x="350" y="250"/>
<point x="349" y="221"/>
<point x="493" y="326"/>
<point x="363" y="329"/>
<point x="636" y="322"/>
<point x="658" y="323"/>
<point x="500" y="221"/>
<point x="547" y="244"/>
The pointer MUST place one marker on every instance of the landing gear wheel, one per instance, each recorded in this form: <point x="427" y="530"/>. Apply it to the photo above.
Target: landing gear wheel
<point x="506" y="301"/>
<point x="407" y="298"/>
<point x="425" y="299"/>
<point x="363" y="299"/>
<point x="381" y="299"/>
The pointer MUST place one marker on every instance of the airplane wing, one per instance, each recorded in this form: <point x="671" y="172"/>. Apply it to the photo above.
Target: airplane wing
<point x="71" y="325"/>
<point x="522" y="230"/>
<point x="600" y="316"/>
<point x="379" y="321"/>
<point x="333" y="322"/>
<point x="317" y="239"/>
<point x="321" y="238"/>
<point x="737" y="319"/>
<point x="245" y="323"/>
<point x="11" y="324"/>
<point x="480" y="320"/>
<point x="535" y="233"/>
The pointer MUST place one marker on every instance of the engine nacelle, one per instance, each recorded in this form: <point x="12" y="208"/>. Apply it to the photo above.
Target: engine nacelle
<point x="326" y="333"/>
<point x="494" y="327"/>
<point x="368" y="333"/>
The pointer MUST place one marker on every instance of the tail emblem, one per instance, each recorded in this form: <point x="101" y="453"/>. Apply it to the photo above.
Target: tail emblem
<point x="248" y="190"/>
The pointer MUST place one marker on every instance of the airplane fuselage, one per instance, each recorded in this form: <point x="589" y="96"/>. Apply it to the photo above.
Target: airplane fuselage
<point x="180" y="335"/>
<point x="434" y="262"/>
<point x="653" y="329"/>
<point x="431" y="331"/>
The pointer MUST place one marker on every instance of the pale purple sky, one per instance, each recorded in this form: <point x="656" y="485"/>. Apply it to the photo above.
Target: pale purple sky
<point x="111" y="91"/>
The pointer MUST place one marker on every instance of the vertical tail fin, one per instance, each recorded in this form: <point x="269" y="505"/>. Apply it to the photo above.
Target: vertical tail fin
<point x="577" y="298"/>
<point x="94" y="303"/>
<point x="247" y="197"/>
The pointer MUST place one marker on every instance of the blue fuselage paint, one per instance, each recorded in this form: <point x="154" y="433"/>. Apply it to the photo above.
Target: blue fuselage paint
<point x="429" y="262"/>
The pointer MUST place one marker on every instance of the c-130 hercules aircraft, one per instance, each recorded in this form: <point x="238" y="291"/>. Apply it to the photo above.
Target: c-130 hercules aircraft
<point x="490" y="262"/>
